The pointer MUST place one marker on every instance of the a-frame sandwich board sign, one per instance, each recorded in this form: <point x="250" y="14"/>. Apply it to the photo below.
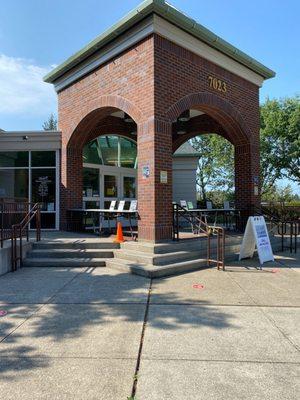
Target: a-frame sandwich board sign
<point x="256" y="236"/>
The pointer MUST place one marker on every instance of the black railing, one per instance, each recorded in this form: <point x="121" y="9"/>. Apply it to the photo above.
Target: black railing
<point x="285" y="220"/>
<point x="199" y="226"/>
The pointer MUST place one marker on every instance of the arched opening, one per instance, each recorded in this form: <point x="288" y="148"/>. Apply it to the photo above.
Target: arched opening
<point x="101" y="145"/>
<point x="203" y="171"/>
<point x="204" y="113"/>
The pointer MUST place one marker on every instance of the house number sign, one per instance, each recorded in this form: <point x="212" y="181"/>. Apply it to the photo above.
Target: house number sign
<point x="217" y="84"/>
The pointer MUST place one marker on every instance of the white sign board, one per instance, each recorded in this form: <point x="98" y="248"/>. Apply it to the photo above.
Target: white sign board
<point x="256" y="236"/>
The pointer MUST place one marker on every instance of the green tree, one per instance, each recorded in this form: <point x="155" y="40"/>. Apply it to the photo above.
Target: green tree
<point x="290" y="137"/>
<point x="280" y="152"/>
<point x="50" y="124"/>
<point x="276" y="193"/>
<point x="280" y="141"/>
<point x="216" y="164"/>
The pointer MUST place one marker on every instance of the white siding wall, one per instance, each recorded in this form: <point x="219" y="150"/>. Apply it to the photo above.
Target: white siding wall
<point x="184" y="179"/>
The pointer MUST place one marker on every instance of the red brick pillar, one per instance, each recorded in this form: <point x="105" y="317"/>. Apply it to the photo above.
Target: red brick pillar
<point x="247" y="186"/>
<point x="154" y="166"/>
<point x="71" y="182"/>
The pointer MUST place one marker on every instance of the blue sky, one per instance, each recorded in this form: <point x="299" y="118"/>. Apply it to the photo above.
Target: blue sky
<point x="36" y="35"/>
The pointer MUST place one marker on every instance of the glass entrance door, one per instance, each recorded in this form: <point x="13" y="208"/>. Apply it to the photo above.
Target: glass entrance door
<point x="91" y="188"/>
<point x="111" y="189"/>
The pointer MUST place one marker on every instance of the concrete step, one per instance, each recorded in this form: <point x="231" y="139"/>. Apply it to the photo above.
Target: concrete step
<point x="64" y="262"/>
<point x="93" y="244"/>
<point x="157" y="259"/>
<point x="193" y="245"/>
<point x="190" y="245"/>
<point x="155" y="271"/>
<point x="70" y="253"/>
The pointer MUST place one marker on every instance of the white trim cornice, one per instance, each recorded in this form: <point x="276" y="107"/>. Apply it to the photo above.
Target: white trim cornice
<point x="158" y="25"/>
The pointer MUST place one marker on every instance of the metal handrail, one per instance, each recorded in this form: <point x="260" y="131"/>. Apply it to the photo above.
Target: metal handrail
<point x="207" y="230"/>
<point x="11" y="209"/>
<point x="17" y="231"/>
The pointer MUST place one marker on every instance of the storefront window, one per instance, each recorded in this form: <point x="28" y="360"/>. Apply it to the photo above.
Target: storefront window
<point x="129" y="187"/>
<point x="90" y="182"/>
<point x="43" y="158"/>
<point x="23" y="176"/>
<point x="43" y="188"/>
<point x="14" y="183"/>
<point x="14" y="159"/>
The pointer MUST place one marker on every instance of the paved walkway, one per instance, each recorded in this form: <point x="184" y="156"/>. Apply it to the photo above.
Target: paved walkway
<point x="80" y="334"/>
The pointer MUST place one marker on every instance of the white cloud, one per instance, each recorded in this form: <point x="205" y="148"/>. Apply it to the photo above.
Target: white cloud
<point x="22" y="90"/>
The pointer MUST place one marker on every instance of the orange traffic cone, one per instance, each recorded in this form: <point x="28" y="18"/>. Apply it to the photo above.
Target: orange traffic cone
<point x="119" y="238"/>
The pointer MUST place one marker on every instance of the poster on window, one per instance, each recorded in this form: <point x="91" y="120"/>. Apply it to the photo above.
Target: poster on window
<point x="43" y="188"/>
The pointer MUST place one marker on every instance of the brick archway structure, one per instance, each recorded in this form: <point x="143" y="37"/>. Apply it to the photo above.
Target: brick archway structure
<point x="153" y="65"/>
<point x="223" y="119"/>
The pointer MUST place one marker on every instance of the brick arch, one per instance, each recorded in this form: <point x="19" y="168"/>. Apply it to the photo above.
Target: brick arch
<point x="219" y="109"/>
<point x="200" y="125"/>
<point x="95" y="113"/>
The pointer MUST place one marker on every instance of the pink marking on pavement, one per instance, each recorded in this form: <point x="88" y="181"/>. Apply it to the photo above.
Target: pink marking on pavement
<point x="2" y="313"/>
<point x="198" y="286"/>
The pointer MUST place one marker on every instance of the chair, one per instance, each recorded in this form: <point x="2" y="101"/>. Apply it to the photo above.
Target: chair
<point x="226" y="205"/>
<point x="112" y="205"/>
<point x="132" y="208"/>
<point x="190" y="205"/>
<point x="183" y="203"/>
<point x="121" y="205"/>
<point x="209" y="205"/>
<point x="133" y="205"/>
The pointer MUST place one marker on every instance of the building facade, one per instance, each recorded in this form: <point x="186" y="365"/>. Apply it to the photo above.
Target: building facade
<point x="157" y="78"/>
<point x="30" y="169"/>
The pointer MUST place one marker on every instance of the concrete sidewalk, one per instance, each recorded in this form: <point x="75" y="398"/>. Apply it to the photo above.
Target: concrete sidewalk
<point x="80" y="334"/>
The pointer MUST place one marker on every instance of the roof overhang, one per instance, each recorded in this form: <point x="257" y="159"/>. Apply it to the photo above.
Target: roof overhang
<point x="30" y="140"/>
<point x="145" y="15"/>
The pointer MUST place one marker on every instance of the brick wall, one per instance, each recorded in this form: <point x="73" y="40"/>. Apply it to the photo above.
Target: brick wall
<point x="154" y="82"/>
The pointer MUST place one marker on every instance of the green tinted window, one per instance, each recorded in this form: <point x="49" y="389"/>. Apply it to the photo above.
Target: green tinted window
<point x="14" y="159"/>
<point x="128" y="153"/>
<point x="92" y="154"/>
<point x="43" y="158"/>
<point x="111" y="150"/>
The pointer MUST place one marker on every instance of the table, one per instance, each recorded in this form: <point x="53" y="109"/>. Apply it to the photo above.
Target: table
<point x="115" y="214"/>
<point x="215" y="211"/>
